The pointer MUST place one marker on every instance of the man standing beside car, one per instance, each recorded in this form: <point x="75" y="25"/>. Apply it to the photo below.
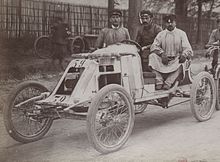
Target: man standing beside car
<point x="214" y="38"/>
<point x="145" y="35"/>
<point x="116" y="33"/>
<point x="60" y="33"/>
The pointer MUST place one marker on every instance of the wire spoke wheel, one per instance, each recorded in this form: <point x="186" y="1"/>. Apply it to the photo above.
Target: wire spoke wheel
<point x="110" y="119"/>
<point x="43" y="47"/>
<point x="77" y="45"/>
<point x="24" y="122"/>
<point x="203" y="96"/>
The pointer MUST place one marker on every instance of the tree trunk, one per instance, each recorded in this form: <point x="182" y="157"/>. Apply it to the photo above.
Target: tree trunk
<point x="211" y="8"/>
<point x="134" y="9"/>
<point x="198" y="39"/>
<point x="181" y="7"/>
<point x="110" y="7"/>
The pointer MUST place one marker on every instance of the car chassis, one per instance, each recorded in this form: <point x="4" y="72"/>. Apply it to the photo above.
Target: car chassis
<point x="107" y="88"/>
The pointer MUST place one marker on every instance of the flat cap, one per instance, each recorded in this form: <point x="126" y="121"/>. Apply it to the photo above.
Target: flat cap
<point x="116" y="12"/>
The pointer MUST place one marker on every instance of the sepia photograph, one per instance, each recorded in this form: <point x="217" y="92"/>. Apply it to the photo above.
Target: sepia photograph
<point x="109" y="80"/>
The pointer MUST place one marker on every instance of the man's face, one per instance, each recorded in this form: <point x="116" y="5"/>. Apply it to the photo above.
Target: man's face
<point x="146" y="19"/>
<point x="170" y="25"/>
<point x="115" y="20"/>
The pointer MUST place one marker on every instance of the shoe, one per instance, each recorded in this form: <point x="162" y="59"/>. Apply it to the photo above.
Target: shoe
<point x="158" y="86"/>
<point x="166" y="86"/>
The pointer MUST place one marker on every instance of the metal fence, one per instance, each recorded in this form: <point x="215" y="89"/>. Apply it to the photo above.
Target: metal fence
<point x="20" y="17"/>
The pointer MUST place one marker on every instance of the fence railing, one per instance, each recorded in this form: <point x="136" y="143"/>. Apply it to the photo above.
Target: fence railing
<point x="19" y="17"/>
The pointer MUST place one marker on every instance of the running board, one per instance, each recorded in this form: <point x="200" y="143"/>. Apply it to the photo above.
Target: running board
<point x="157" y="94"/>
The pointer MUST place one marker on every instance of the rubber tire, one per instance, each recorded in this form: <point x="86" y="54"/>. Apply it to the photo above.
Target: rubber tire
<point x="193" y="96"/>
<point x="217" y="83"/>
<point x="143" y="107"/>
<point x="73" y="41"/>
<point x="42" y="55"/>
<point x="93" y="108"/>
<point x="7" y="114"/>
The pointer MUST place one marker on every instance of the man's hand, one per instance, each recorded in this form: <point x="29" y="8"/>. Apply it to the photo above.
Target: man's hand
<point x="165" y="60"/>
<point x="146" y="47"/>
<point x="182" y="58"/>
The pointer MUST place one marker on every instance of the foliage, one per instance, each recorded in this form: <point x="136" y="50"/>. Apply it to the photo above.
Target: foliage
<point x="192" y="6"/>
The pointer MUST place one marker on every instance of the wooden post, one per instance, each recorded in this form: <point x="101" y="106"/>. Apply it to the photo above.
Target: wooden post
<point x="134" y="9"/>
<point x="198" y="39"/>
<point x="44" y="17"/>
<point x="110" y="7"/>
<point x="90" y="22"/>
<point x="19" y="18"/>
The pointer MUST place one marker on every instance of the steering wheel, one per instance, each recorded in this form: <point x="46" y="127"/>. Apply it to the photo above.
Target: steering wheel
<point x="128" y="41"/>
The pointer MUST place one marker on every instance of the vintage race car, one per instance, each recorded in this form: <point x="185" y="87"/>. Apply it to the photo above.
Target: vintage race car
<point x="107" y="88"/>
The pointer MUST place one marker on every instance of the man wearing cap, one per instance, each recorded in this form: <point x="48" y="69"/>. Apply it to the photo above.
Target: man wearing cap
<point x="145" y="35"/>
<point x="60" y="33"/>
<point x="116" y="33"/>
<point x="169" y="51"/>
<point x="214" y="37"/>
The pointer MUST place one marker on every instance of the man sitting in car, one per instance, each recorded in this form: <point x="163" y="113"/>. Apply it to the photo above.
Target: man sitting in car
<point x="169" y="50"/>
<point x="146" y="34"/>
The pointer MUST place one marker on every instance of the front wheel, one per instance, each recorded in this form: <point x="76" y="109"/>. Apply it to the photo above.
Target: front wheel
<point x="22" y="120"/>
<point x="110" y="119"/>
<point x="203" y="96"/>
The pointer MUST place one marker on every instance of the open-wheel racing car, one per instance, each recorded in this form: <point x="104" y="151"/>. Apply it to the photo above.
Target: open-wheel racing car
<point x="107" y="88"/>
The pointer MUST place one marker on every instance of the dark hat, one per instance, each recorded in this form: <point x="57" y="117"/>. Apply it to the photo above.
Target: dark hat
<point x="169" y="18"/>
<point x="116" y="12"/>
<point x="146" y="13"/>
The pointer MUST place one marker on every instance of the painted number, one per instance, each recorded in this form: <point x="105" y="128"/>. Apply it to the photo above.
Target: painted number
<point x="59" y="99"/>
<point x="79" y="63"/>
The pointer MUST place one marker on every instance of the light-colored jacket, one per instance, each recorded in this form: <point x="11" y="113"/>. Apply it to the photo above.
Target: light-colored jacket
<point x="172" y="44"/>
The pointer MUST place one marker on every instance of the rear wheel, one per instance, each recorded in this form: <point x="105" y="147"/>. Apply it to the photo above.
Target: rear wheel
<point x="203" y="96"/>
<point x="23" y="122"/>
<point x="43" y="47"/>
<point x="110" y="119"/>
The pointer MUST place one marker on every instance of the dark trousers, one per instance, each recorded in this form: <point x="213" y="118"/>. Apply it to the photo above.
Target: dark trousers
<point x="145" y="60"/>
<point x="215" y="58"/>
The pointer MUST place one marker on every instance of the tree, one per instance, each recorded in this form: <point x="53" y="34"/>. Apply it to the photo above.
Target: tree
<point x="181" y="7"/>
<point x="134" y="8"/>
<point x="110" y="7"/>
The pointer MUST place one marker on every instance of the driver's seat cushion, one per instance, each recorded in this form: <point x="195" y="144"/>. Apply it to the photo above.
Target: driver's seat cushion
<point x="149" y="78"/>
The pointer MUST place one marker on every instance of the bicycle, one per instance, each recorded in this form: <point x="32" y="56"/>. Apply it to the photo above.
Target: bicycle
<point x="43" y="46"/>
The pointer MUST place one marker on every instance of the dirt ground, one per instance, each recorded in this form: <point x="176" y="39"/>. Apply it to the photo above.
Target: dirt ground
<point x="159" y="135"/>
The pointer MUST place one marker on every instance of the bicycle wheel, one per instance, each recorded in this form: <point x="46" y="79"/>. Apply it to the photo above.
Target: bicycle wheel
<point x="43" y="47"/>
<point x="77" y="45"/>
